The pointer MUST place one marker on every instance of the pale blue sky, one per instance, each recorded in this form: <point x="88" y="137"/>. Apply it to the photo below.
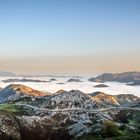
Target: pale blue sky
<point x="43" y="28"/>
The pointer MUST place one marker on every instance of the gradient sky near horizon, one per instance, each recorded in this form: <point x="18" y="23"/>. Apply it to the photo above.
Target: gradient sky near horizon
<point x="69" y="36"/>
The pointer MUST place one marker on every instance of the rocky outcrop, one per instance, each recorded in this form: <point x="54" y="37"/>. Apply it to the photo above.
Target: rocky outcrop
<point x="126" y="99"/>
<point x="30" y="128"/>
<point x="105" y="98"/>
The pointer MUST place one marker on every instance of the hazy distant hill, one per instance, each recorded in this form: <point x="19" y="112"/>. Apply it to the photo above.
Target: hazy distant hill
<point x="3" y="73"/>
<point x="118" y="77"/>
<point x="12" y="80"/>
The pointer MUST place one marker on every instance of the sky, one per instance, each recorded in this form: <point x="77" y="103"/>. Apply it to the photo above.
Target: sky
<point x="69" y="36"/>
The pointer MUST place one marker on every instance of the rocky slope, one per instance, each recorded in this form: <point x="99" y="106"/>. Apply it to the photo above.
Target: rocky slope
<point x="105" y="98"/>
<point x="73" y="99"/>
<point x="16" y="92"/>
<point x="117" y="100"/>
<point x="63" y="125"/>
<point x="126" y="99"/>
<point x="64" y="115"/>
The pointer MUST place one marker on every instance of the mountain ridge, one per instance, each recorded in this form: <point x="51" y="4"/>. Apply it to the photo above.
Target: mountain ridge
<point x="66" y="99"/>
<point x="64" y="115"/>
<point x="117" y="100"/>
<point x="17" y="91"/>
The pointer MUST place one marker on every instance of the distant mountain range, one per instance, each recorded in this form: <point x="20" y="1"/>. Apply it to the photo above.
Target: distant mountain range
<point x="131" y="78"/>
<point x="126" y="77"/>
<point x="11" y="80"/>
<point x="3" y="73"/>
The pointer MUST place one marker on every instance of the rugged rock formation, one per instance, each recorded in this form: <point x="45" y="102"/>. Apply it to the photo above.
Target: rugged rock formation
<point x="105" y="98"/>
<point x="73" y="99"/>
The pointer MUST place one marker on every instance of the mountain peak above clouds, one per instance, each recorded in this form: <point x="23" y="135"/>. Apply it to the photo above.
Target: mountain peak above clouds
<point x="124" y="77"/>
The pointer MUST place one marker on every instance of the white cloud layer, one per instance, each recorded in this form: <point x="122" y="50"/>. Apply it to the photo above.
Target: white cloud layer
<point x="85" y="86"/>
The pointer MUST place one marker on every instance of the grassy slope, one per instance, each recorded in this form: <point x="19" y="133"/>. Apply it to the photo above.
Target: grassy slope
<point x="9" y="108"/>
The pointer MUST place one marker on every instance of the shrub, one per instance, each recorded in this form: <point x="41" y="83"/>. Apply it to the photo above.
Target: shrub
<point x="109" y="129"/>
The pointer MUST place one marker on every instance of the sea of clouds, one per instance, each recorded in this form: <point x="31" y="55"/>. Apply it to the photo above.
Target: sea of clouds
<point x="84" y="86"/>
